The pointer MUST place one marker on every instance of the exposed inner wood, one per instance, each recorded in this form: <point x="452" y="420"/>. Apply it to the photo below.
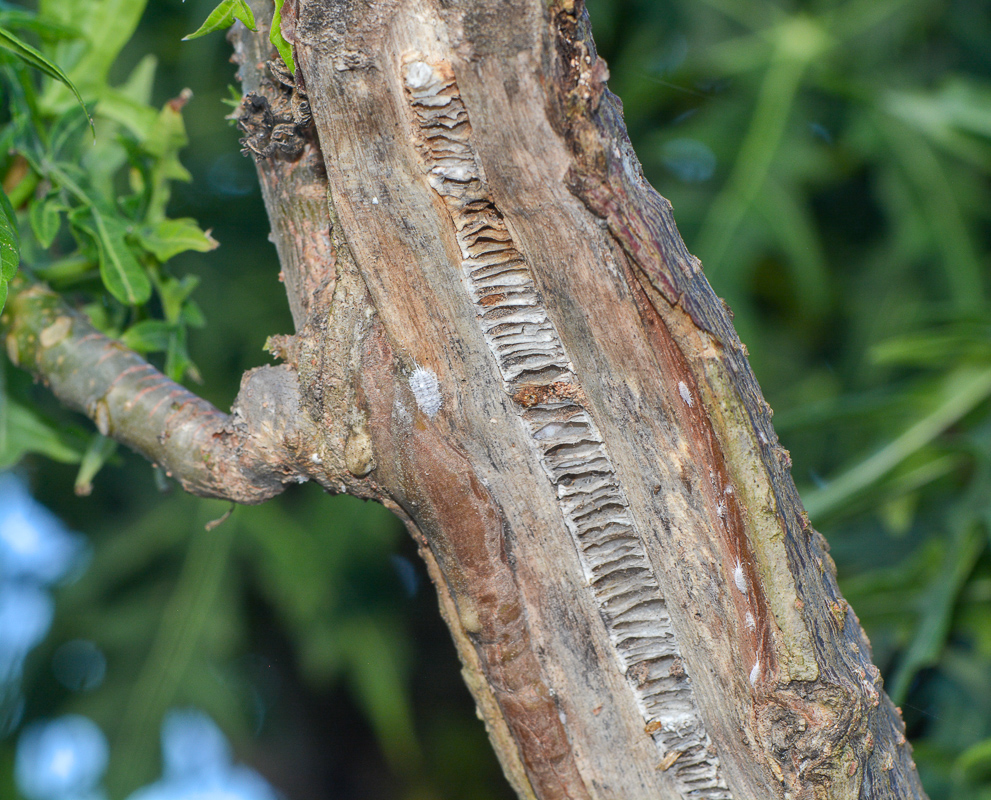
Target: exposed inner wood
<point x="545" y="388"/>
<point x="528" y="350"/>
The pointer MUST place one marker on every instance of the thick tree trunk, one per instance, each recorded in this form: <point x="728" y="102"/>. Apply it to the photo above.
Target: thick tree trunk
<point x="547" y="390"/>
<point x="501" y="335"/>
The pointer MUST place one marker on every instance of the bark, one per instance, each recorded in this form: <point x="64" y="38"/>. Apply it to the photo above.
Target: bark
<point x="246" y="456"/>
<point x="501" y="336"/>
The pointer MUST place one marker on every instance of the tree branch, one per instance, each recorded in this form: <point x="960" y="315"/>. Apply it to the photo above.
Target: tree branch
<point x="246" y="457"/>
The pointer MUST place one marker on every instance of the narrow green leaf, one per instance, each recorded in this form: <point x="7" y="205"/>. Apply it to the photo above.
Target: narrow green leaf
<point x="148" y="336"/>
<point x="137" y="117"/>
<point x="938" y="604"/>
<point x="121" y="273"/>
<point x="7" y="213"/>
<point x="278" y="40"/>
<point x="174" y="294"/>
<point x="46" y="28"/>
<point x="165" y="140"/>
<point x="45" y="215"/>
<point x="33" y="58"/>
<point x="106" y="26"/>
<point x="97" y="454"/>
<point x="223" y="16"/>
<point x="173" y="236"/>
<point x="9" y="245"/>
<point x="961" y="391"/>
<point x="26" y="432"/>
<point x="178" y="364"/>
<point x="974" y="763"/>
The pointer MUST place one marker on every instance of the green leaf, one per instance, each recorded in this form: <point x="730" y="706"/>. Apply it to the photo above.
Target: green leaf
<point x="22" y="431"/>
<point x="938" y="603"/>
<point x="45" y="28"/>
<point x="173" y="236"/>
<point x="45" y="215"/>
<point x="121" y="273"/>
<point x="174" y="294"/>
<point x="276" y="38"/>
<point x="961" y="391"/>
<point x="223" y="16"/>
<point x="33" y="58"/>
<point x="134" y="115"/>
<point x="165" y="140"/>
<point x="148" y="336"/>
<point x="974" y="763"/>
<point x="106" y="26"/>
<point x="10" y="251"/>
<point x="178" y="364"/>
<point x="99" y="451"/>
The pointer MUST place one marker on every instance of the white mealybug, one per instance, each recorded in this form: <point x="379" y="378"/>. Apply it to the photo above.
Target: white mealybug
<point x="721" y="510"/>
<point x="426" y="389"/>
<point x="755" y="673"/>
<point x="739" y="578"/>
<point x="685" y="393"/>
<point x="751" y="624"/>
<point x="418" y="75"/>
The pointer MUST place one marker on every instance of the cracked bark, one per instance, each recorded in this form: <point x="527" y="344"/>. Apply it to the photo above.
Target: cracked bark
<point x="501" y="336"/>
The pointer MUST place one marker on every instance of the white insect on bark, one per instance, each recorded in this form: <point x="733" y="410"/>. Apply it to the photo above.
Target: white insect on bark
<point x="426" y="389"/>
<point x="739" y="578"/>
<point x="686" y="394"/>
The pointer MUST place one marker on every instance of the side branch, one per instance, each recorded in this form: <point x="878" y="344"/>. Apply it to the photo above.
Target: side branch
<point x="246" y="457"/>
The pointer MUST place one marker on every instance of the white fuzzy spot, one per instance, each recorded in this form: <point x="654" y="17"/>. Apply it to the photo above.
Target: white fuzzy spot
<point x="426" y="389"/>
<point x="685" y="393"/>
<point x="375" y="201"/>
<point x="739" y="578"/>
<point x="762" y="437"/>
<point x="751" y="624"/>
<point x="316" y="459"/>
<point x="728" y="490"/>
<point x="458" y="173"/>
<point x="755" y="673"/>
<point x="721" y="510"/>
<point x="418" y="75"/>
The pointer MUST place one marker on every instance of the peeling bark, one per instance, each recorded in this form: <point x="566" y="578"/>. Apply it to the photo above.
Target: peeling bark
<point x="501" y="336"/>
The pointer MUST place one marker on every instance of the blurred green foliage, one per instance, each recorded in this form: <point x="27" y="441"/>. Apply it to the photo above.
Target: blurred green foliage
<point x="828" y="161"/>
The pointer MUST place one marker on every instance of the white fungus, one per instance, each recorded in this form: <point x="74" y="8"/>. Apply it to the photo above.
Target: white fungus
<point x="755" y="673"/>
<point x="751" y="624"/>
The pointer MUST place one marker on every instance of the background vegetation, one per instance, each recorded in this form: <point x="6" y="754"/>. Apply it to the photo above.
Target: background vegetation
<point x="829" y="163"/>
